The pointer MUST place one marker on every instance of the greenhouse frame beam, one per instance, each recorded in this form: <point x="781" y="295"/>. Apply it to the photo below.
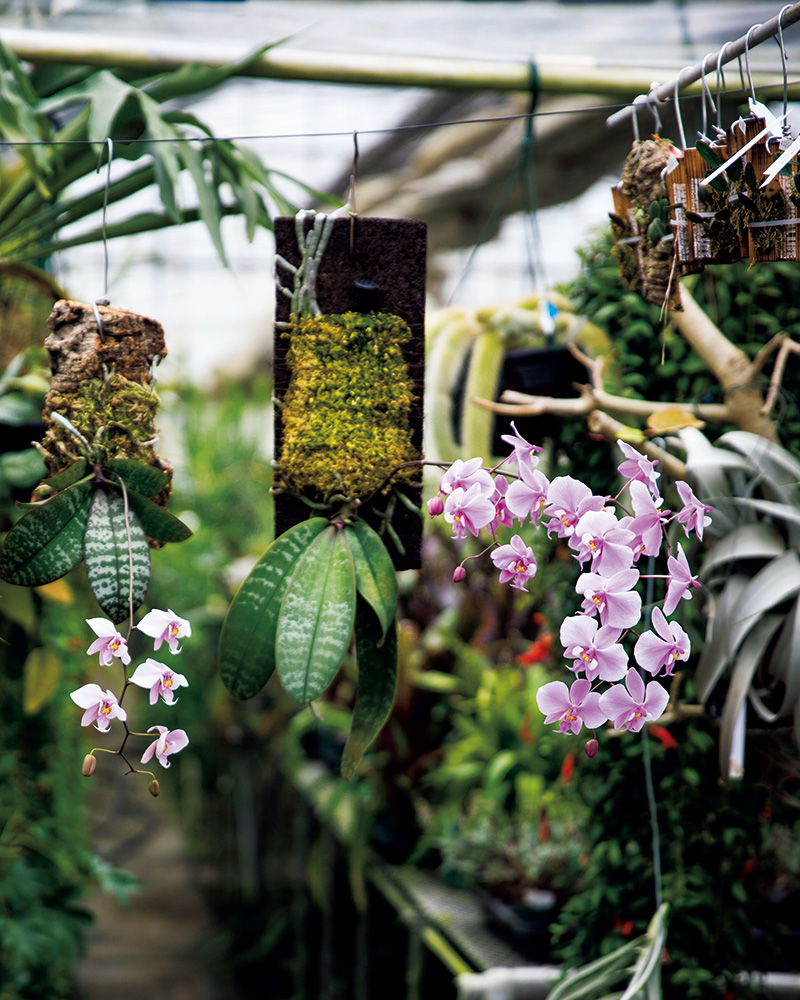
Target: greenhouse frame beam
<point x="556" y="74"/>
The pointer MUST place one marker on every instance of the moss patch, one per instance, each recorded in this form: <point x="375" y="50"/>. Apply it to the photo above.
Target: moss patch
<point x="346" y="411"/>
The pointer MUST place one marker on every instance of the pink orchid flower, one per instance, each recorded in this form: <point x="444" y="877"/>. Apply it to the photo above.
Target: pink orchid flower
<point x="463" y="475"/>
<point x="502" y="515"/>
<point x="101" y="706"/>
<point x="648" y="520"/>
<point x="599" y="537"/>
<point x="468" y="510"/>
<point x="629" y="707"/>
<point x="694" y="514"/>
<point x="662" y="647"/>
<point x="165" y="626"/>
<point x="611" y="597"/>
<point x="567" y="500"/>
<point x="679" y="581"/>
<point x="524" y="452"/>
<point x="166" y="744"/>
<point x="528" y="494"/>
<point x="109" y="643"/>
<point x="595" y="650"/>
<point x="516" y="562"/>
<point x="159" y="679"/>
<point x="573" y="707"/>
<point x="637" y="467"/>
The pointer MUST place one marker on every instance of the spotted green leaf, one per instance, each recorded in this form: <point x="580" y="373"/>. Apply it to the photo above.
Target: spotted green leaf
<point x="316" y="616"/>
<point x="48" y="541"/>
<point x="376" y="655"/>
<point x="376" y="579"/>
<point x="139" y="477"/>
<point x="247" y="643"/>
<point x="157" y="522"/>
<point x="118" y="567"/>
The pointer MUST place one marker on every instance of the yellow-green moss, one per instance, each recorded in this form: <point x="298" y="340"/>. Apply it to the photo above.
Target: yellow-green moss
<point x="100" y="402"/>
<point x="346" y="412"/>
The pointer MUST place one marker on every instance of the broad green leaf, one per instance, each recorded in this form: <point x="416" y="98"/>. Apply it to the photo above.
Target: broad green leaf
<point x="708" y="154"/>
<point x="194" y="78"/>
<point x="376" y="579"/>
<point x="139" y="477"/>
<point x="376" y="656"/>
<point x="69" y="476"/>
<point x="108" y="95"/>
<point x="48" y="541"/>
<point x="208" y="204"/>
<point x="116" y="554"/>
<point x="247" y="642"/>
<point x="316" y="617"/>
<point x="40" y="674"/>
<point x="157" y="522"/>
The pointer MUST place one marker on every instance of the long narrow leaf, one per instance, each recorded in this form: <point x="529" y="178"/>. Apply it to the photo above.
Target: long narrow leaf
<point x="376" y="579"/>
<point x="776" y="582"/>
<point x="748" y="541"/>
<point x="714" y="656"/>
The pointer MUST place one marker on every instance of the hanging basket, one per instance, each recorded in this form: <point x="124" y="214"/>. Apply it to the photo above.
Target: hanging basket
<point x="779" y="240"/>
<point x="692" y="215"/>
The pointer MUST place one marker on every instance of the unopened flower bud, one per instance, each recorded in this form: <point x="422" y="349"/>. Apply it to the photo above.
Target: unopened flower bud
<point x="89" y="764"/>
<point x="592" y="746"/>
<point x="435" y="505"/>
<point x="459" y="573"/>
<point x="154" y="788"/>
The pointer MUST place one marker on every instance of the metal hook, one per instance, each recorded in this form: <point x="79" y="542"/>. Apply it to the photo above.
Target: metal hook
<point x="678" y="119"/>
<point x="705" y="95"/>
<point x="720" y="77"/>
<point x="787" y="131"/>
<point x="747" y="62"/>
<point x="652" y="104"/>
<point x="352" y="197"/>
<point x="635" y="122"/>
<point x="103" y="300"/>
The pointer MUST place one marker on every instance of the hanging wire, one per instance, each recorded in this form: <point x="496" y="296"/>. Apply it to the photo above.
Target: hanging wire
<point x="678" y="119"/>
<point x="747" y="62"/>
<point x="787" y="131"/>
<point x="103" y="300"/>
<point x="720" y="79"/>
<point x="706" y="97"/>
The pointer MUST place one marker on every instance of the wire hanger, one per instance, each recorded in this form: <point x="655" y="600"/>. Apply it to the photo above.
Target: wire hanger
<point x="104" y="300"/>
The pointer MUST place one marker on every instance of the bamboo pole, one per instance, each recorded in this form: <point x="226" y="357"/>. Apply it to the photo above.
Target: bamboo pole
<point x="557" y="74"/>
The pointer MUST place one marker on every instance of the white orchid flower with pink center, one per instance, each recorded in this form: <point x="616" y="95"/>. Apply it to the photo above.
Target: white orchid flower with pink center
<point x="567" y="500"/>
<point x="524" y="452"/>
<point x="528" y="494"/>
<point x="165" y="626"/>
<point x="629" y="707"/>
<point x="502" y="515"/>
<point x="463" y="475"/>
<point x="594" y="650"/>
<point x="637" y="467"/>
<point x="661" y="647"/>
<point x="679" y="581"/>
<point x="468" y="510"/>
<point x="694" y="514"/>
<point x="159" y="679"/>
<point x="573" y="707"/>
<point x="109" y="643"/>
<point x="599" y="537"/>
<point x="516" y="562"/>
<point x="168" y="742"/>
<point x="611" y="597"/>
<point x="100" y="706"/>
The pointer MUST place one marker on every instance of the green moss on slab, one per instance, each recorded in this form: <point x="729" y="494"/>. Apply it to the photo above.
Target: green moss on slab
<point x="346" y="412"/>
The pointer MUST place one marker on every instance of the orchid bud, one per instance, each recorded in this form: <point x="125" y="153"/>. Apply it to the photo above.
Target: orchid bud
<point x="435" y="506"/>
<point x="459" y="573"/>
<point x="154" y="788"/>
<point x="592" y="746"/>
<point x="89" y="764"/>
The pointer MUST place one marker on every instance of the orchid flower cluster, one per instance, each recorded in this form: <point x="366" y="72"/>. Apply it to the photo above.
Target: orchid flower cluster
<point x="608" y="541"/>
<point x="101" y="707"/>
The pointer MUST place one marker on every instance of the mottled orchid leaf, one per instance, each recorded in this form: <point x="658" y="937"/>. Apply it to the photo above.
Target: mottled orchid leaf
<point x="157" y="522"/>
<point x="116" y="555"/>
<point x="139" y="477"/>
<point x="376" y="579"/>
<point x="47" y="541"/>
<point x="247" y="644"/>
<point x="376" y="656"/>
<point x="69" y="476"/>
<point x="316" y="617"/>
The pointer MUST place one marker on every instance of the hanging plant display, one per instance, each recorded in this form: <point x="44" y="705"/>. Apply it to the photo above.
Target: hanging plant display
<point x="349" y="369"/>
<point x="626" y="238"/>
<point x="692" y="212"/>
<point x="104" y="501"/>
<point x="643" y="183"/>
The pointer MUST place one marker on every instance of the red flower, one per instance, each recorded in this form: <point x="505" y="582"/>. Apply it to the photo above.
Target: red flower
<point x="567" y="767"/>
<point x="538" y="650"/>
<point x="664" y="735"/>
